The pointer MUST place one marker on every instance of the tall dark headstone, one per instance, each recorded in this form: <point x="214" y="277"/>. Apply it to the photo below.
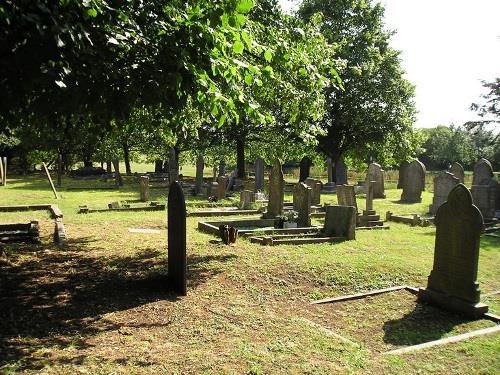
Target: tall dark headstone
<point x="452" y="283"/>
<point x="302" y="195"/>
<point x="173" y="166"/>
<point x="259" y="174"/>
<point x="457" y="170"/>
<point x="402" y="173"/>
<point x="340" y="221"/>
<point x="177" y="260"/>
<point x="340" y="172"/>
<point x="315" y="186"/>
<point x="376" y="173"/>
<point x="222" y="168"/>
<point x="483" y="172"/>
<point x="305" y="168"/>
<point x="200" y="166"/>
<point x="276" y="191"/>
<point x="330" y="185"/>
<point x="413" y="182"/>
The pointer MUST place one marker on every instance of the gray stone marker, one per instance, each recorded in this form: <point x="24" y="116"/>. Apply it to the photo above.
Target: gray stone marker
<point x="302" y="195"/>
<point x="486" y="198"/>
<point x="231" y="180"/>
<point x="247" y="199"/>
<point x="173" y="166"/>
<point x="370" y="187"/>
<point x="340" y="221"/>
<point x="340" y="172"/>
<point x="315" y="186"/>
<point x="212" y="189"/>
<point x="444" y="182"/>
<point x="483" y="172"/>
<point x="259" y="175"/>
<point x="452" y="283"/>
<point x="144" y="188"/>
<point x="330" y="185"/>
<point x="220" y="193"/>
<point x="458" y="171"/>
<point x="413" y="182"/>
<point x="276" y="191"/>
<point x="376" y="173"/>
<point x="346" y="196"/>
<point x="402" y="172"/>
<point x="200" y="166"/>
<point x="177" y="260"/>
<point x="222" y="168"/>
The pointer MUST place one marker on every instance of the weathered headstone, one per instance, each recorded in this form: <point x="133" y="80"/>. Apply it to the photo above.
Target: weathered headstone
<point x="340" y="172"/>
<point x="222" y="168"/>
<point x="144" y="188"/>
<point x="231" y="180"/>
<point x="486" y="198"/>
<point x="276" y="191"/>
<point x="214" y="174"/>
<point x="315" y="186"/>
<point x="259" y="174"/>
<point x="370" y="187"/>
<point x="340" y="221"/>
<point x="483" y="172"/>
<point x="221" y="187"/>
<point x="413" y="182"/>
<point x="200" y="166"/>
<point x="376" y="173"/>
<point x="304" y="168"/>
<point x="330" y="185"/>
<point x="452" y="283"/>
<point x="346" y="196"/>
<point x="177" y="260"/>
<point x="247" y="199"/>
<point x="212" y="189"/>
<point x="458" y="171"/>
<point x="173" y="166"/>
<point x="444" y="182"/>
<point x="118" y="176"/>
<point x="302" y="195"/>
<point x="402" y="173"/>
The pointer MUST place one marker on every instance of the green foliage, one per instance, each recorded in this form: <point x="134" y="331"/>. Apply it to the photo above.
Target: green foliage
<point x="490" y="108"/>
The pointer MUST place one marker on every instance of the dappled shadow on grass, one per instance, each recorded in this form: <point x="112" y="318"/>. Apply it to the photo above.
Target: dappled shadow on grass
<point x="425" y="323"/>
<point x="489" y="243"/>
<point x="56" y="298"/>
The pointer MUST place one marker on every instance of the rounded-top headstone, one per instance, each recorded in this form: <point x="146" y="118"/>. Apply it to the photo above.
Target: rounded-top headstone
<point x="483" y="172"/>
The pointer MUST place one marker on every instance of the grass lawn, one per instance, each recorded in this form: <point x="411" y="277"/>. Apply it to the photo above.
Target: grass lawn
<point x="99" y="306"/>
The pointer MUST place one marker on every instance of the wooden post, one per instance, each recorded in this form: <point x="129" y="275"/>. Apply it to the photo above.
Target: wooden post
<point x="50" y="180"/>
<point x="1" y="172"/>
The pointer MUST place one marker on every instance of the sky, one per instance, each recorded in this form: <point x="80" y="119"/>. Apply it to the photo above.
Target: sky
<point x="447" y="48"/>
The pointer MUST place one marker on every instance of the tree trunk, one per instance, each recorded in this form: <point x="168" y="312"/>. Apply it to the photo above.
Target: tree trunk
<point x="108" y="167"/>
<point x="87" y="160"/>
<point x="118" y="176"/>
<point x="158" y="166"/>
<point x="240" y="156"/>
<point x="305" y="168"/>
<point x="126" y="156"/>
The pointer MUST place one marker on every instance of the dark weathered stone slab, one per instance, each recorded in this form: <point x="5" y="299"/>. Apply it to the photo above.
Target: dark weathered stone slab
<point x="144" y="188"/>
<point x="457" y="170"/>
<point x="276" y="191"/>
<point x="173" y="166"/>
<point x="177" y="260"/>
<point x="259" y="174"/>
<point x="340" y="172"/>
<point x="222" y="168"/>
<point x="346" y="196"/>
<point x="402" y="173"/>
<point x="302" y="204"/>
<point x="200" y="166"/>
<point x="376" y="173"/>
<point x="316" y="187"/>
<point x="483" y="172"/>
<point x="452" y="283"/>
<point x="413" y="182"/>
<point x="444" y="182"/>
<point x="486" y="198"/>
<point x="305" y="168"/>
<point x="340" y="221"/>
<point x="221" y="187"/>
<point x="247" y="199"/>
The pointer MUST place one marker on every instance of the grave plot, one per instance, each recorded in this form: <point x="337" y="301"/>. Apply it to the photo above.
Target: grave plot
<point x="392" y="320"/>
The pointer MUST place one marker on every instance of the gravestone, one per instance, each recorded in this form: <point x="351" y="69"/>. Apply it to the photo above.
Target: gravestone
<point x="370" y="187"/>
<point x="330" y="185"/>
<point x="220" y="193"/>
<point x="370" y="218"/>
<point x="340" y="172"/>
<point x="346" y="196"/>
<point x="302" y="204"/>
<point x="276" y="191"/>
<point x="305" y="168"/>
<point x="247" y="199"/>
<point x="200" y="166"/>
<point x="315" y="186"/>
<point x="458" y="171"/>
<point x="214" y="174"/>
<point x="259" y="175"/>
<point x="177" y="260"/>
<point x="486" y="198"/>
<point x="483" y="172"/>
<point x="376" y="173"/>
<point x="402" y="173"/>
<point x="444" y="182"/>
<point x="222" y="168"/>
<point x="452" y="283"/>
<point x="340" y="221"/>
<point x="173" y="166"/>
<point x="144" y="188"/>
<point x="212" y="189"/>
<point x="231" y="180"/>
<point x="118" y="176"/>
<point x="413" y="182"/>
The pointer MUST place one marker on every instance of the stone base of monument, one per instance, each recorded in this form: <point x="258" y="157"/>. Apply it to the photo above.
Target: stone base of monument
<point x="20" y="232"/>
<point x="370" y="219"/>
<point x="451" y="303"/>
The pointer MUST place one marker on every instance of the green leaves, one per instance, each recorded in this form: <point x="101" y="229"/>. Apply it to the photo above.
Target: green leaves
<point x="238" y="47"/>
<point x="244" y="6"/>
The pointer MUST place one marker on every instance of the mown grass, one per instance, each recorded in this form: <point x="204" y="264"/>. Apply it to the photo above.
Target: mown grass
<point x="100" y="305"/>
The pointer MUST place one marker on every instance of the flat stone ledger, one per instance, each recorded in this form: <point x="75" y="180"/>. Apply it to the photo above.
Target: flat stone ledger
<point x="413" y="182"/>
<point x="276" y="191"/>
<point x="483" y="172"/>
<point x="340" y="221"/>
<point x="376" y="173"/>
<point x="444" y="182"/>
<point x="200" y="166"/>
<point x="144" y="188"/>
<point x="458" y="171"/>
<point x="259" y="174"/>
<point x="402" y="172"/>
<point x="177" y="259"/>
<point x="315" y="186"/>
<point x="302" y="198"/>
<point x="452" y="284"/>
<point x="247" y="199"/>
<point x="222" y="182"/>
<point x="340" y="172"/>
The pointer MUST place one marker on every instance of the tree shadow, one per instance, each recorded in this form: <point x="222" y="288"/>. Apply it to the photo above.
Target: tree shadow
<point x="425" y="323"/>
<point x="57" y="299"/>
